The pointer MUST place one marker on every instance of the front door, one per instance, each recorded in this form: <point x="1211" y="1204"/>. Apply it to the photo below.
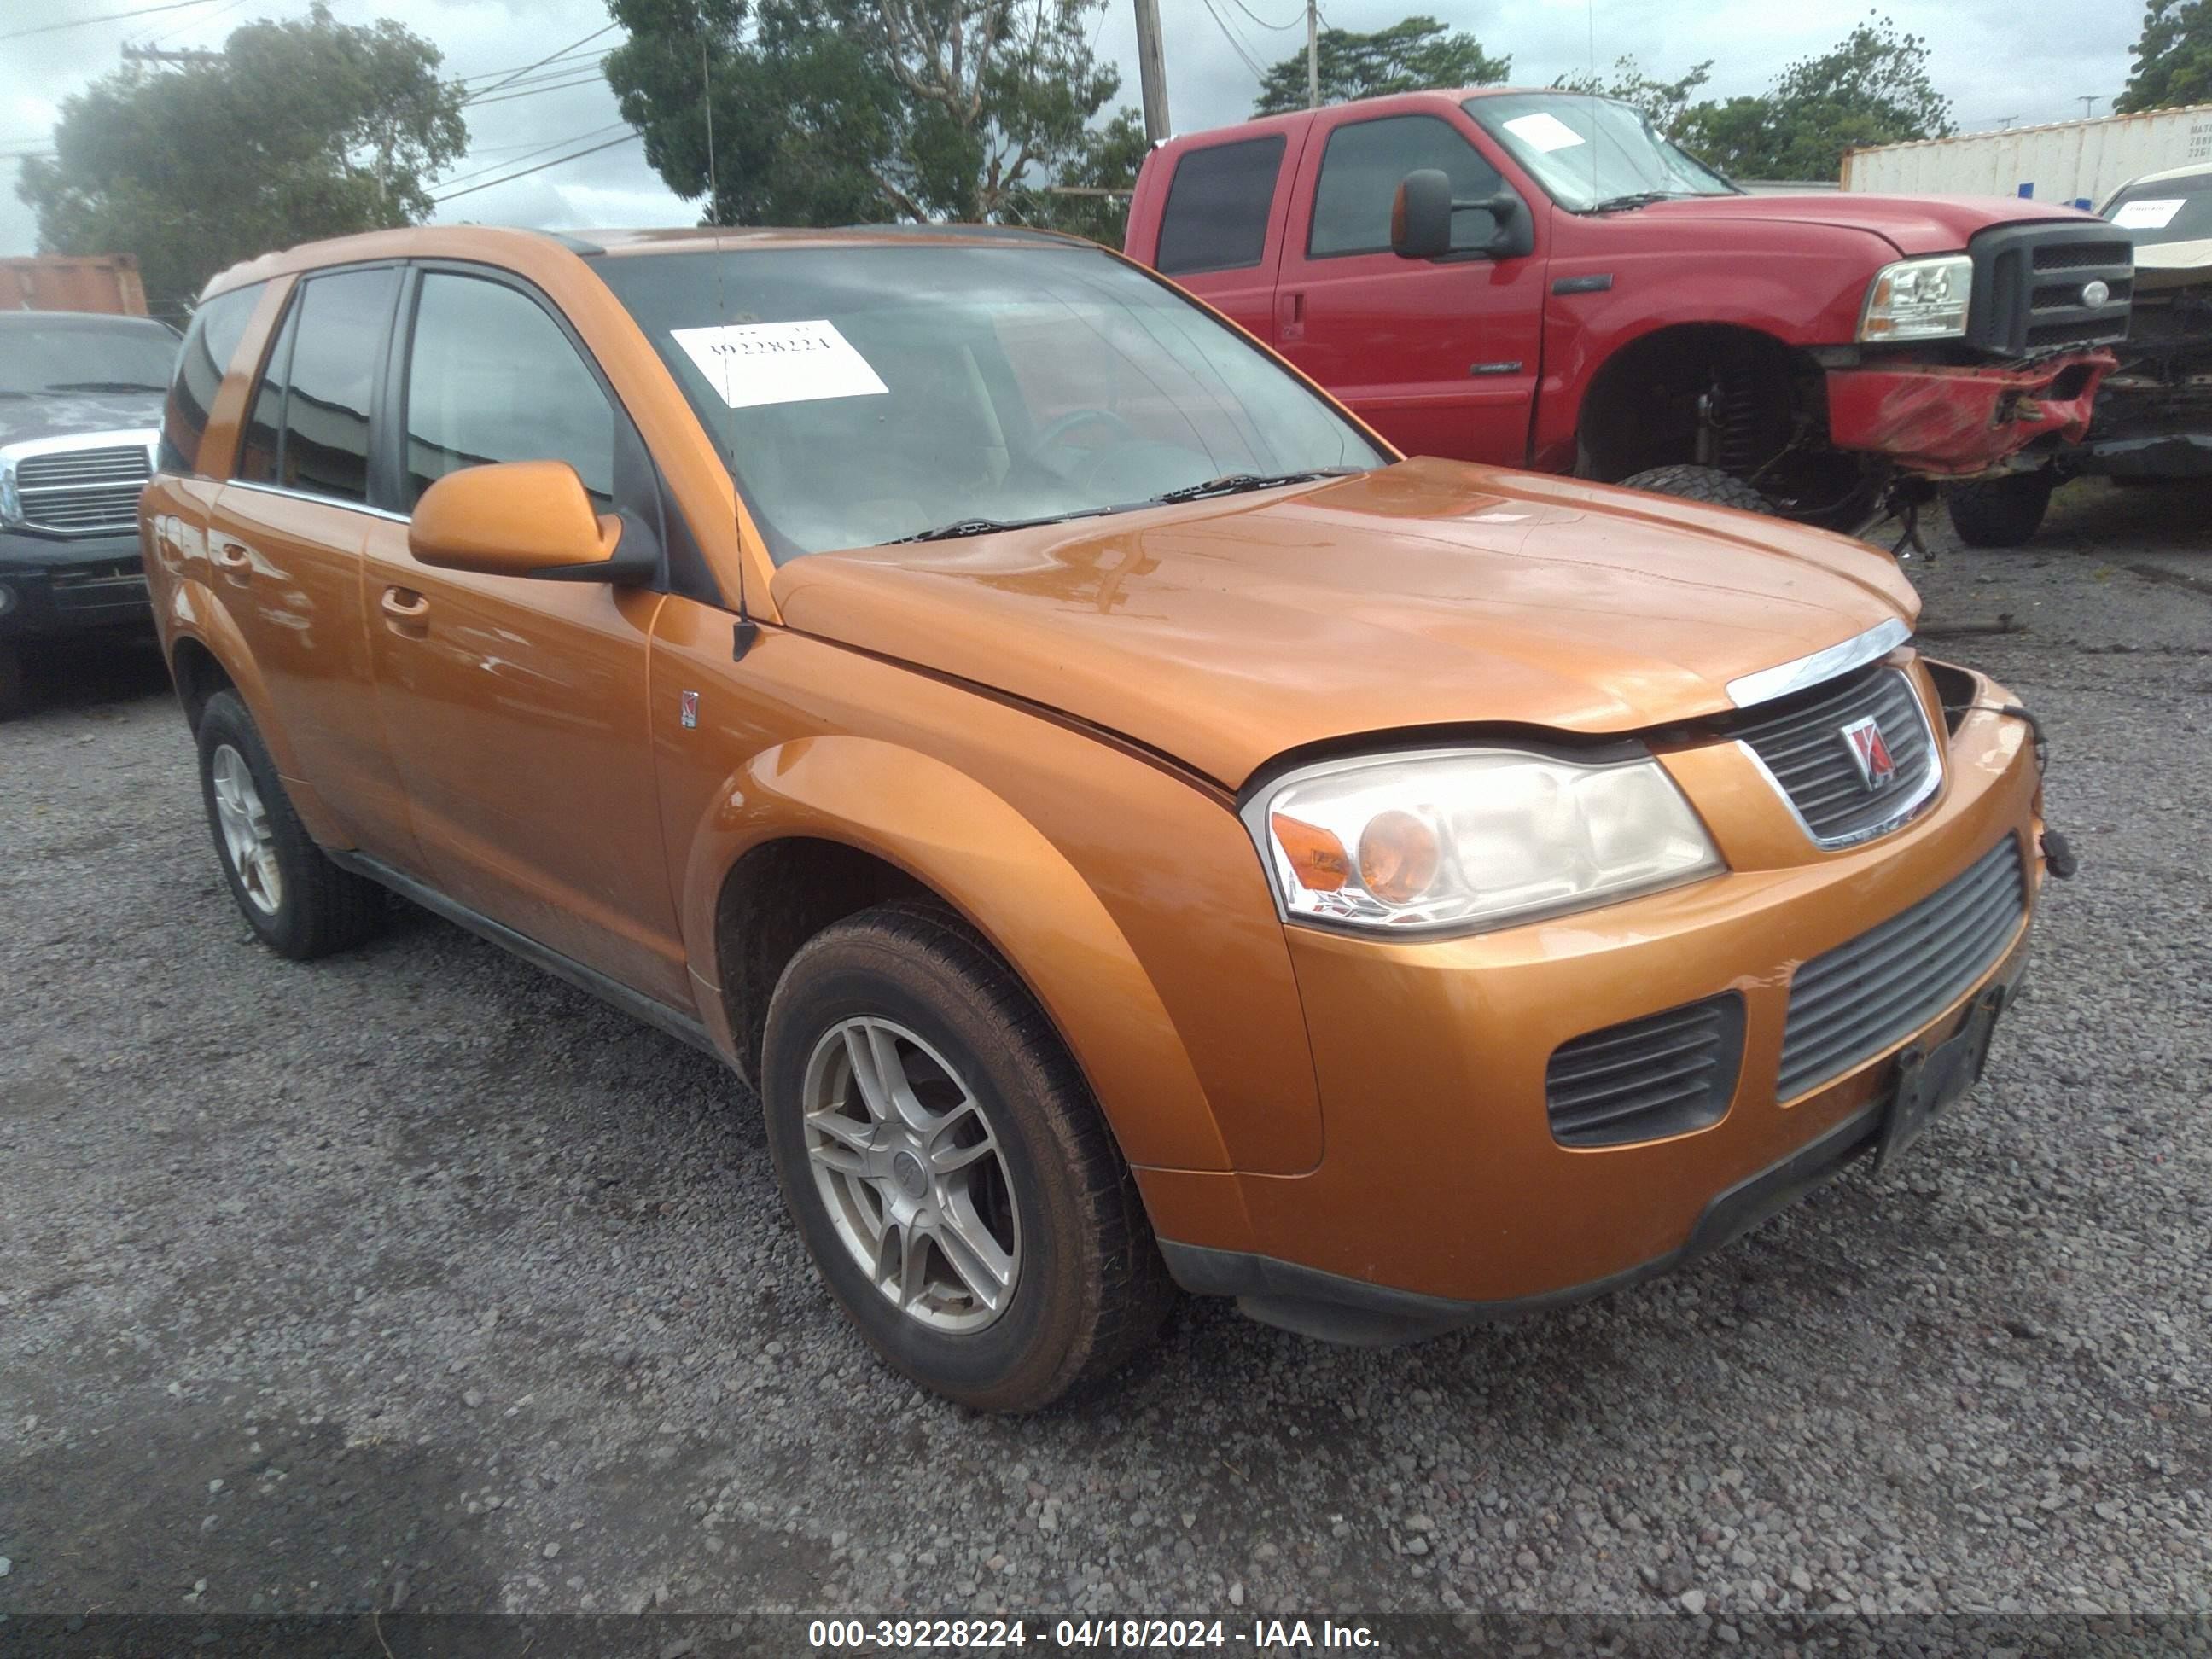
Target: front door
<point x="1441" y="357"/>
<point x="516" y="707"/>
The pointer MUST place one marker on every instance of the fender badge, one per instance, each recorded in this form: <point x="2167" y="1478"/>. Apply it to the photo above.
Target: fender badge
<point x="690" y="708"/>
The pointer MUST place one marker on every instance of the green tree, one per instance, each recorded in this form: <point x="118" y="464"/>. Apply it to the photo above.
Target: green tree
<point x="1664" y="101"/>
<point x="299" y="131"/>
<point x="828" y="111"/>
<point x="2173" y="57"/>
<point x="1871" y="87"/>
<point x="1409" y="56"/>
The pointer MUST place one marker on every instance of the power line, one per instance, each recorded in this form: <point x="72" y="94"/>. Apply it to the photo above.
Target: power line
<point x="112" y="17"/>
<point x="573" y="138"/>
<point x="1235" y="44"/>
<point x="493" y="75"/>
<point x="550" y="56"/>
<point x="532" y="92"/>
<point x="1262" y="21"/>
<point x="557" y="160"/>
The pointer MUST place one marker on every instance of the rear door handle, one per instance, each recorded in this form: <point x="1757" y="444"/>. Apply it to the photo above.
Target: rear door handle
<point x="406" y="611"/>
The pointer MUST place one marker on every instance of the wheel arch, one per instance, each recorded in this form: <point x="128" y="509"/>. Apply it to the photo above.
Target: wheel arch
<point x="1614" y="433"/>
<point x="859" y="820"/>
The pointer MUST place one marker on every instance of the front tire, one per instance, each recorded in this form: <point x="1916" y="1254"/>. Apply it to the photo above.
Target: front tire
<point x="2003" y="512"/>
<point x="1701" y="483"/>
<point x="298" y="902"/>
<point x="947" y="1168"/>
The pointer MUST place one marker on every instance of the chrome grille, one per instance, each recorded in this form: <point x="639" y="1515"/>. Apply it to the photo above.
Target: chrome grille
<point x="82" y="491"/>
<point x="1857" y="999"/>
<point x="1809" y="760"/>
<point x="1658" y="1076"/>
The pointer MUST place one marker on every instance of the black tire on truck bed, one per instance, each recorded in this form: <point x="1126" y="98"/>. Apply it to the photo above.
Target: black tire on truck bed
<point x="1700" y="483"/>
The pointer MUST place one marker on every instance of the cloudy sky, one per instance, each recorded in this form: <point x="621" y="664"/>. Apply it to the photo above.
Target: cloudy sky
<point x="2028" y="60"/>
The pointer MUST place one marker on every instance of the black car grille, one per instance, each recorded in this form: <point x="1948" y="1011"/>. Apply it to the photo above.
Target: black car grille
<point x="82" y="491"/>
<point x="2021" y="311"/>
<point x="1805" y="753"/>
<point x="112" y="585"/>
<point x="1855" y="1000"/>
<point x="1651" y="1078"/>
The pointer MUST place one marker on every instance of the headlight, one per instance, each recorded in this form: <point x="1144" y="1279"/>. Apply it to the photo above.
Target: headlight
<point x="1918" y="299"/>
<point x="1468" y="839"/>
<point x="11" y="502"/>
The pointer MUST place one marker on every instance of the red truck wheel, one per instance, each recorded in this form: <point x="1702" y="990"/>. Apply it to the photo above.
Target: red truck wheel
<point x="1700" y="483"/>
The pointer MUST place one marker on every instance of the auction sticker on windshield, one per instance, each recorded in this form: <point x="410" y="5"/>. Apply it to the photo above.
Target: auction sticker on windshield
<point x="1544" y="130"/>
<point x="753" y="363"/>
<point x="2148" y="216"/>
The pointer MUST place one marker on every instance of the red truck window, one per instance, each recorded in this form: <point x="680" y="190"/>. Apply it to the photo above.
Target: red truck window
<point x="1365" y="164"/>
<point x="1216" y="217"/>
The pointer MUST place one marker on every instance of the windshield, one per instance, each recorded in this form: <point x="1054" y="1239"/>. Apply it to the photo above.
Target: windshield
<point x="59" y="358"/>
<point x="2177" y="210"/>
<point x="1587" y="152"/>
<point x="867" y="394"/>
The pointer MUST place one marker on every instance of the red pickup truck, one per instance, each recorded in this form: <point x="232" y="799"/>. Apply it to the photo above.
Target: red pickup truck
<point x="1536" y="279"/>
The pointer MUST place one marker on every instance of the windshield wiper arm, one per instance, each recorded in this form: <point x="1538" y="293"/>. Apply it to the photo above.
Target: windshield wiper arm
<point x="1634" y="199"/>
<point x="103" y="385"/>
<point x="1238" y="483"/>
<point x="960" y="527"/>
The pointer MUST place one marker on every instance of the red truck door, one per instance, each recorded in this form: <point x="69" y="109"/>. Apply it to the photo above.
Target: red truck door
<point x="1440" y="357"/>
<point x="1220" y="230"/>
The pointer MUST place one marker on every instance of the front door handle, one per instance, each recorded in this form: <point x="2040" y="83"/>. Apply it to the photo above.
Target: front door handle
<point x="234" y="560"/>
<point x="1291" y="316"/>
<point x="406" y="611"/>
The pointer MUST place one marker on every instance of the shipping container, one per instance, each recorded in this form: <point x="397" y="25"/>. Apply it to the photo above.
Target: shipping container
<point x="58" y="282"/>
<point x="2076" y="162"/>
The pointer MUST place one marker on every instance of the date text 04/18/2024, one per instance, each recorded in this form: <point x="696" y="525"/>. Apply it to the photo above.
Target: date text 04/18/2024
<point x="1168" y="1635"/>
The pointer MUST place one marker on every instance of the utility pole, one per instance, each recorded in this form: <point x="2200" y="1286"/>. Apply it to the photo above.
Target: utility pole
<point x="1152" y="70"/>
<point x="2088" y="103"/>
<point x="1313" y="55"/>
<point x="167" y="55"/>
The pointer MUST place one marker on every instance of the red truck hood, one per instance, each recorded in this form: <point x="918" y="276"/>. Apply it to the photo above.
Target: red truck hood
<point x="1910" y="224"/>
<point x="1429" y="593"/>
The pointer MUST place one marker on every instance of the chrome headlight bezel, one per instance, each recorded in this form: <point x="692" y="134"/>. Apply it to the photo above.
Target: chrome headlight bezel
<point x="1928" y="298"/>
<point x="1420" y="784"/>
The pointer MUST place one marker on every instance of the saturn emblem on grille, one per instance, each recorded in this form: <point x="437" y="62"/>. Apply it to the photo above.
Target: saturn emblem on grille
<point x="1870" y="753"/>
<point x="2095" y="294"/>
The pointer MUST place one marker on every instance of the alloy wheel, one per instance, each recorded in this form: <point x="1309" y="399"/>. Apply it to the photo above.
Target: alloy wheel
<point x="244" y="822"/>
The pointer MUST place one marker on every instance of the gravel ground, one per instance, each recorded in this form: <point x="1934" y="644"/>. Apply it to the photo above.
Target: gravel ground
<point x="416" y="1279"/>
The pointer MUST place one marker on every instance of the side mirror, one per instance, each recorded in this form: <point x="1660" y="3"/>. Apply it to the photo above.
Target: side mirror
<point x="521" y="519"/>
<point x="1421" y="221"/>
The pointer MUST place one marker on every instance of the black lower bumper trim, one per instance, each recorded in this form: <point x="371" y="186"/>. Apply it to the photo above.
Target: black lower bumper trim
<point x="1335" y="1308"/>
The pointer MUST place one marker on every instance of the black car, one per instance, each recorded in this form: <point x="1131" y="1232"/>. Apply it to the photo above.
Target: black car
<point x="80" y="406"/>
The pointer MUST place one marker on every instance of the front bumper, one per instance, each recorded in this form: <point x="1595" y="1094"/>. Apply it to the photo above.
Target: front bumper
<point x="1956" y="421"/>
<point x="52" y="586"/>
<point x="1441" y="1196"/>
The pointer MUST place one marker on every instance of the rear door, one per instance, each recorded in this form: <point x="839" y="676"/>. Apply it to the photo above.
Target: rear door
<point x="1441" y="357"/>
<point x="517" y="708"/>
<point x="1221" y="230"/>
<point x="284" y="546"/>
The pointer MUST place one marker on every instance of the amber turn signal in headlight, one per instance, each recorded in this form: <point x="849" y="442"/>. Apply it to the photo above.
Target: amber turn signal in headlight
<point x="1465" y="839"/>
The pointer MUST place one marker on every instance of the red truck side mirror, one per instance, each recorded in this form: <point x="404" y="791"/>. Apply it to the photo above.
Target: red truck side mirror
<point x="1421" y="221"/>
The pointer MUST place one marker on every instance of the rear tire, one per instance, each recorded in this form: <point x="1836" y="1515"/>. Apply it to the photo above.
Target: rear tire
<point x="998" y="1135"/>
<point x="298" y="902"/>
<point x="2000" y="512"/>
<point x="15" y="687"/>
<point x="1701" y="483"/>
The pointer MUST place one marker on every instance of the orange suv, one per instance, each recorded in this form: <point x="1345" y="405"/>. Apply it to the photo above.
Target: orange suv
<point x="1133" y="828"/>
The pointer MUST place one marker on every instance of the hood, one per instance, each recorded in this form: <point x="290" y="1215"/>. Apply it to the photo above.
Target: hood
<point x="63" y="413"/>
<point x="1910" y="224"/>
<point x="2172" y="264"/>
<point x="1429" y="593"/>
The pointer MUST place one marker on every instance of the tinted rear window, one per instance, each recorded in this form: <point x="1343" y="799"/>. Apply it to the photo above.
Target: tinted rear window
<point x="1216" y="218"/>
<point x="342" y="319"/>
<point x="209" y="344"/>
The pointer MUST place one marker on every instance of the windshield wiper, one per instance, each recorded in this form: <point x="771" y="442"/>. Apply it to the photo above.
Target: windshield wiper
<point x="1634" y="199"/>
<point x="960" y="527"/>
<point x="1238" y="483"/>
<point x="103" y="385"/>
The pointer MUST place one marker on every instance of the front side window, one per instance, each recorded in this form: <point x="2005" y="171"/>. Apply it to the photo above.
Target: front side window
<point x="1216" y="216"/>
<point x="200" y="363"/>
<point x="1593" y="153"/>
<point x="337" y="333"/>
<point x="491" y="378"/>
<point x="865" y="393"/>
<point x="1362" y="168"/>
